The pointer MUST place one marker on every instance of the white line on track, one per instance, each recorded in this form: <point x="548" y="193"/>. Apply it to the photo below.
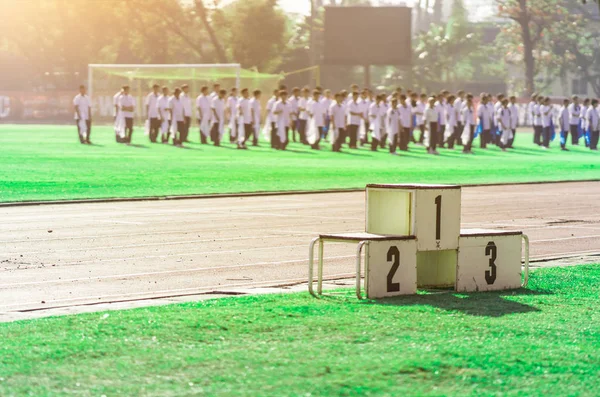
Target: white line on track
<point x="173" y="292"/>
<point x="171" y="272"/>
<point x="565" y="238"/>
<point x="146" y="233"/>
<point x="121" y="222"/>
<point x="156" y="244"/>
<point x="134" y="258"/>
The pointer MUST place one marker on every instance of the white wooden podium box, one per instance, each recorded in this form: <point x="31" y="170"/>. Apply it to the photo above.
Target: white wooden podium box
<point x="431" y="213"/>
<point x="413" y="240"/>
<point x="391" y="268"/>
<point x="489" y="260"/>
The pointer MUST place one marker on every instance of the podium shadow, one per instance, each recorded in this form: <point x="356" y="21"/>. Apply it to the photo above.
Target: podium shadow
<point x="483" y="304"/>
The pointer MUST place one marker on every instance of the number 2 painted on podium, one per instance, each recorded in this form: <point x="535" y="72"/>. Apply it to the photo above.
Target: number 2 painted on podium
<point x="438" y="218"/>
<point x="393" y="255"/>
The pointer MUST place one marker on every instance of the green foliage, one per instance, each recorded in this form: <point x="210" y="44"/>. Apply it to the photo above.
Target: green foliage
<point x="544" y="31"/>
<point x="256" y="34"/>
<point x="453" y="53"/>
<point x="61" y="168"/>
<point x="540" y="341"/>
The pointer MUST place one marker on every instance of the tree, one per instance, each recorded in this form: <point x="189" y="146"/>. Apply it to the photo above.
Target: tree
<point x="537" y="25"/>
<point x="449" y="53"/>
<point x="256" y="33"/>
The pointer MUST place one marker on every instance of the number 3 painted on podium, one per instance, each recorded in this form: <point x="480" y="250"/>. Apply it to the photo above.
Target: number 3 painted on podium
<point x="491" y="251"/>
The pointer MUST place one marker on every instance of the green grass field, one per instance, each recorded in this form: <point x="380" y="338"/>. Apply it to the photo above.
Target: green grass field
<point x="542" y="341"/>
<point x="47" y="163"/>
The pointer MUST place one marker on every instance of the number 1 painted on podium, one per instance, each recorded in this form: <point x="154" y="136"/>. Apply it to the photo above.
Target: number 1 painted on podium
<point x="438" y="218"/>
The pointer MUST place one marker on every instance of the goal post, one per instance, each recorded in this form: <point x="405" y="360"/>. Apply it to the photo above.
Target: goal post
<point x="105" y="80"/>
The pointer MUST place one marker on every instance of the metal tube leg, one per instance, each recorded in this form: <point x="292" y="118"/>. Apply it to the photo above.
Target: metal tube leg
<point x="320" y="269"/>
<point x="526" y="270"/>
<point x="311" y="254"/>
<point x="358" y="268"/>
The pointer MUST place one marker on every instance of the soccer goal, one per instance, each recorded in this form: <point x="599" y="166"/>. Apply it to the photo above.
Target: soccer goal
<point x="105" y="80"/>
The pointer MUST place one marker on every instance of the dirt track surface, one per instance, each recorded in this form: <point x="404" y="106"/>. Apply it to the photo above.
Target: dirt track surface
<point x="82" y="254"/>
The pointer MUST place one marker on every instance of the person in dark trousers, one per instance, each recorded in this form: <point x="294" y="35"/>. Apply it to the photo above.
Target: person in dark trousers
<point x="546" y="111"/>
<point x="355" y="113"/>
<point x="83" y="115"/>
<point x="218" y="117"/>
<point x="187" y="111"/>
<point x="176" y="108"/>
<point x="574" y="112"/>
<point x="537" y="121"/>
<point x="469" y="123"/>
<point x="302" y="114"/>
<point x="152" y="112"/>
<point x="392" y="125"/>
<point x="127" y="106"/>
<point x="459" y="104"/>
<point x="514" y="119"/>
<point x="485" y="116"/>
<point x="405" y="120"/>
<point x="594" y="124"/>
<point x="338" y="122"/>
<point x="431" y="118"/>
<point x="584" y="122"/>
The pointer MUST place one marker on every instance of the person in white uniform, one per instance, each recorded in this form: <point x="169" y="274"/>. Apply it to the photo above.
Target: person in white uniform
<point x="504" y="124"/>
<point x="177" y="111"/>
<point x="218" y="118"/>
<point x="564" y="123"/>
<point x="338" y="122"/>
<point x="244" y="115"/>
<point x="469" y="124"/>
<point x="152" y="113"/>
<point x="593" y="124"/>
<point x="255" y="109"/>
<point x="514" y="119"/>
<point x="83" y="115"/>
<point x="119" y="121"/>
<point x="316" y="113"/>
<point x="162" y="105"/>
<point x="546" y="114"/>
<point x="283" y="111"/>
<point x="405" y="120"/>
<point x="187" y="112"/>
<point x="392" y="125"/>
<point x="203" y="103"/>
<point x="485" y="116"/>
<point x="127" y="108"/>
<point x="575" y="116"/>
<point x="231" y="112"/>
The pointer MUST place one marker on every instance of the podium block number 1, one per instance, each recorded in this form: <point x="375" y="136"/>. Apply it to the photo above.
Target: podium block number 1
<point x="437" y="219"/>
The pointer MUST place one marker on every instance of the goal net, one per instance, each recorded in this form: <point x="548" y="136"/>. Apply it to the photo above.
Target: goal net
<point x="105" y="80"/>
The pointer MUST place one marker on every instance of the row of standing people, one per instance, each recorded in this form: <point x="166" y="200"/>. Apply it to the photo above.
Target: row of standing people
<point x="442" y="119"/>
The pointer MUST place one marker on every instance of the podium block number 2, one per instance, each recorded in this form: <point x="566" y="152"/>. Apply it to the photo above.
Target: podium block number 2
<point x="392" y="268"/>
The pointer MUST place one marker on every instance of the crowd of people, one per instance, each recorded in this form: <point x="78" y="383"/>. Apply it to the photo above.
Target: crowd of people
<point x="352" y="118"/>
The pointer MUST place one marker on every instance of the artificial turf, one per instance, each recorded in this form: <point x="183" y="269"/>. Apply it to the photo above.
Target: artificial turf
<point x="44" y="162"/>
<point x="540" y="341"/>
